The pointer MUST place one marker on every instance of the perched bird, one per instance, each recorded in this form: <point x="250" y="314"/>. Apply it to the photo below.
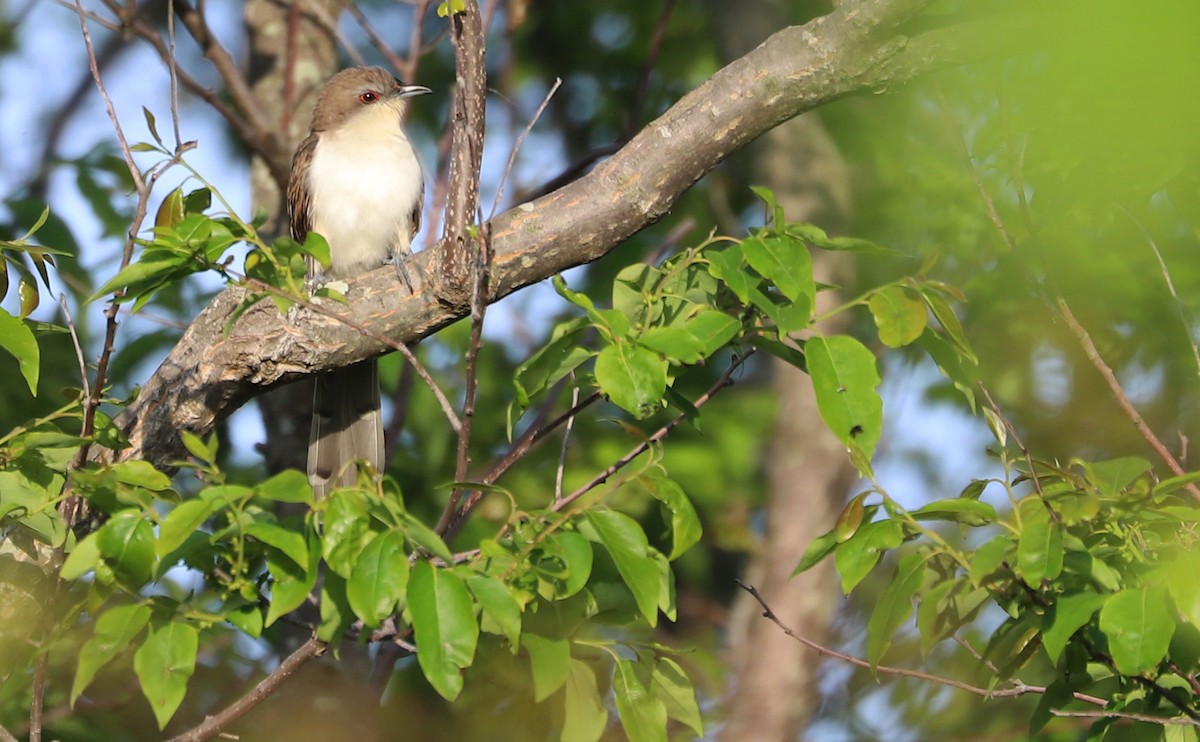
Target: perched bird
<point x="355" y="181"/>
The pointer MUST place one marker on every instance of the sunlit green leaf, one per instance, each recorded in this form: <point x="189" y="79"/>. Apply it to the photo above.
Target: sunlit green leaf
<point x="900" y="315"/>
<point x="1138" y="624"/>
<point x="114" y="630"/>
<point x="1040" y="546"/>
<point x="894" y="605"/>
<point x="17" y="339"/>
<point x="550" y="660"/>
<point x="626" y="543"/>
<point x="585" y="714"/>
<point x="1066" y="616"/>
<point x="380" y="578"/>
<point x="444" y="626"/>
<point x="844" y="376"/>
<point x="633" y="377"/>
<point x="643" y="714"/>
<point x="164" y="663"/>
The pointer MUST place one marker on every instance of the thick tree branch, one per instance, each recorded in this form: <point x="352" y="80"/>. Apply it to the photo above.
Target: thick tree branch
<point x="212" y="371"/>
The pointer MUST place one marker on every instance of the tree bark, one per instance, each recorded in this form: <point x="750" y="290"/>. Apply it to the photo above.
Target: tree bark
<point x="215" y="369"/>
<point x="773" y="690"/>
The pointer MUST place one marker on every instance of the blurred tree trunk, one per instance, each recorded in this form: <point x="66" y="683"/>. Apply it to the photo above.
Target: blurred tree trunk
<point x="292" y="53"/>
<point x="773" y="688"/>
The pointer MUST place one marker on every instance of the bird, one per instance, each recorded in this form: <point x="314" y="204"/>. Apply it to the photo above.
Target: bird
<point x="357" y="182"/>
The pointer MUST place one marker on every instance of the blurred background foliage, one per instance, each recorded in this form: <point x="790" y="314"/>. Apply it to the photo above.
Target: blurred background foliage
<point x="1064" y="165"/>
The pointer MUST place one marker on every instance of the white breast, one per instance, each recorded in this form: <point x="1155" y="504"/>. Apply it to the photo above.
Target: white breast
<point x="364" y="182"/>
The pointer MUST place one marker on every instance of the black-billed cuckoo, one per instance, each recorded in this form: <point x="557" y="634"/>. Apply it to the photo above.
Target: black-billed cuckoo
<point x="355" y="181"/>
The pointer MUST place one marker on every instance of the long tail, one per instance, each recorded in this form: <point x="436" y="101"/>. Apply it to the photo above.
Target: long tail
<point x="346" y="426"/>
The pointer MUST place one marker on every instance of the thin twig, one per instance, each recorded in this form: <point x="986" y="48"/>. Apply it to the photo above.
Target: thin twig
<point x="512" y="155"/>
<point x="1093" y="355"/>
<point x="1018" y="689"/>
<point x="725" y="380"/>
<point x="393" y="59"/>
<point x="478" y="310"/>
<point x="1162" y="264"/>
<point x="37" y="702"/>
<point x="171" y="68"/>
<point x="6" y="736"/>
<point x="562" y="452"/>
<point x="641" y="90"/>
<point x="83" y="376"/>
<point x="268" y="685"/>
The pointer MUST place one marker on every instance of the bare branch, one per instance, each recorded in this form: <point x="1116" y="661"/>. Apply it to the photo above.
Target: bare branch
<point x="1019" y="689"/>
<point x="1114" y="385"/>
<point x="212" y="725"/>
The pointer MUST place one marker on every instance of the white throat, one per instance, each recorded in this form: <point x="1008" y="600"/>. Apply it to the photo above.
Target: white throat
<point x="364" y="182"/>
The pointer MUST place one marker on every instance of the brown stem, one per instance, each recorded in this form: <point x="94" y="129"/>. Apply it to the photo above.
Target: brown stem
<point x="1114" y="385"/>
<point x="212" y="725"/>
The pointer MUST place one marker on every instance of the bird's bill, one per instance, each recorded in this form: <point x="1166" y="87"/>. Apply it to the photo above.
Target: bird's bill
<point x="408" y="91"/>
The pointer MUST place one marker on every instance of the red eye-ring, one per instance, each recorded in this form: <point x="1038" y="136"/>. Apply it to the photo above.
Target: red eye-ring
<point x="368" y="97"/>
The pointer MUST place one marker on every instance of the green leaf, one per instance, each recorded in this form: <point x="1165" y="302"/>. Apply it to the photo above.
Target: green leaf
<point x="248" y="618"/>
<point x="1110" y="477"/>
<point x="585" y="715"/>
<point x="786" y="263"/>
<point x="575" y="554"/>
<point x="17" y="339"/>
<point x="499" y="605"/>
<point x="643" y="714"/>
<point x="197" y="447"/>
<point x="1180" y="577"/>
<point x="347" y="529"/>
<point x="425" y="537"/>
<point x="550" y="660"/>
<point x="988" y="558"/>
<point x="336" y="614"/>
<point x="817" y="550"/>
<point x="1040" y="545"/>
<point x="675" y="344"/>
<point x="292" y="585"/>
<point x="672" y="686"/>
<point x="633" y="377"/>
<point x="183" y="520"/>
<point x="292" y="544"/>
<point x="141" y="474"/>
<point x="82" y="559"/>
<point x="899" y="314"/>
<point x="856" y="557"/>
<point x="850" y="518"/>
<point x="126" y="542"/>
<point x="685" y="523"/>
<point x="444" y="625"/>
<point x="894" y="606"/>
<point x="287" y="486"/>
<point x="1167" y="486"/>
<point x="627" y="544"/>
<point x="380" y="578"/>
<point x="844" y="377"/>
<point x="115" y="628"/>
<point x="950" y="325"/>
<point x="1068" y="614"/>
<point x="1139" y="626"/>
<point x="164" y="663"/>
<point x="712" y="329"/>
<point x="967" y="512"/>
<point x="559" y="357"/>
<point x="726" y="265"/>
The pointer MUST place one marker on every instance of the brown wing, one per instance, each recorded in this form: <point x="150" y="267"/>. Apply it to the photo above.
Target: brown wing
<point x="418" y="207"/>
<point x="299" y="203"/>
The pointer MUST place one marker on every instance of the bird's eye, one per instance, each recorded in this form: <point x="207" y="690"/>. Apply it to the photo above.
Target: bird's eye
<point x="368" y="97"/>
